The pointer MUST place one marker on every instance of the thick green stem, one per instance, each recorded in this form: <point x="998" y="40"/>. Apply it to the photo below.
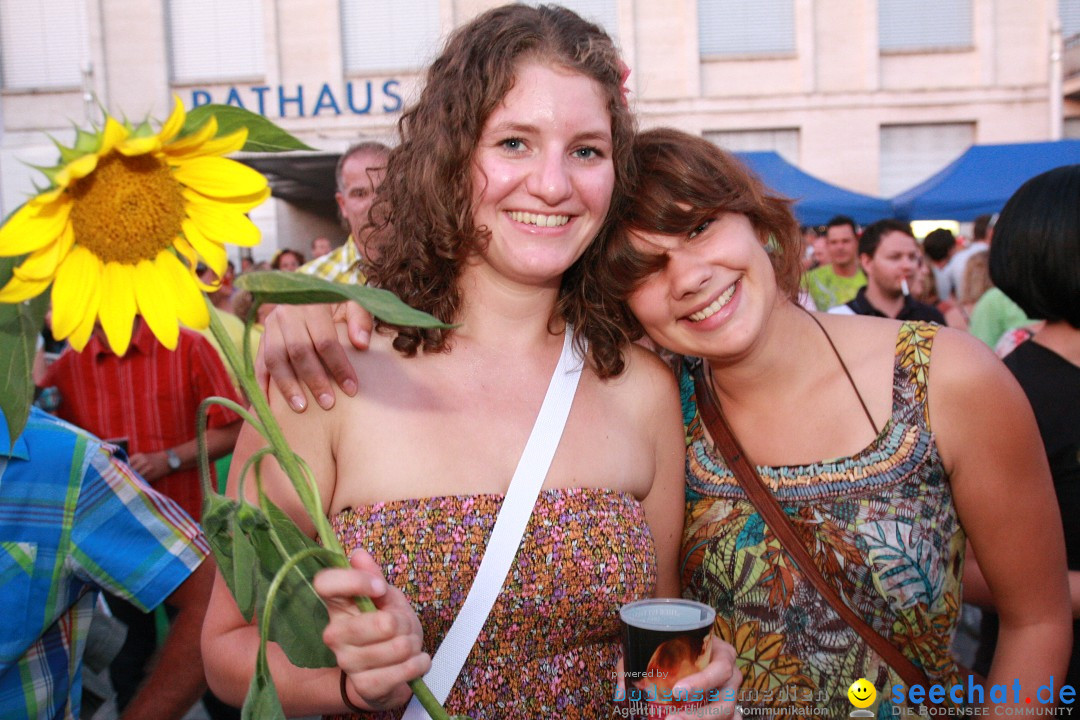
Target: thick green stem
<point x="305" y="487"/>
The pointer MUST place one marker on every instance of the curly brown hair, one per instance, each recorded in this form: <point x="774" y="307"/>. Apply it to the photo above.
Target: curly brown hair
<point x="684" y="181"/>
<point x="423" y="214"/>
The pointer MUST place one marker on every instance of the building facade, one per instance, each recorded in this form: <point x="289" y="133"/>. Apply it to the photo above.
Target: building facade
<point x="873" y="95"/>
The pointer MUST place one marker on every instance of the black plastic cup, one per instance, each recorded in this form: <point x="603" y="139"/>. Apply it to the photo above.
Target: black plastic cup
<point x="664" y="641"/>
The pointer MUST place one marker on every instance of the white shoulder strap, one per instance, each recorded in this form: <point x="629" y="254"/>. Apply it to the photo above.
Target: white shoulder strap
<point x="509" y="527"/>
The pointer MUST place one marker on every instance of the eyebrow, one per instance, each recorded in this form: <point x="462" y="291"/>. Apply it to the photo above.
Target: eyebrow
<point x="526" y="129"/>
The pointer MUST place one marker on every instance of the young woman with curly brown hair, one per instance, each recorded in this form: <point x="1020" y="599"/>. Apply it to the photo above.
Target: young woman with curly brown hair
<point x="488" y="217"/>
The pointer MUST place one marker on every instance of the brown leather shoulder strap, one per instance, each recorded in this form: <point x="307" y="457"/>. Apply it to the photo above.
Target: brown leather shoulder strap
<point x="765" y="503"/>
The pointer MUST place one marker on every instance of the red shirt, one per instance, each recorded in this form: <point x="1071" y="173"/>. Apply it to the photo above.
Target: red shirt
<point x="149" y="396"/>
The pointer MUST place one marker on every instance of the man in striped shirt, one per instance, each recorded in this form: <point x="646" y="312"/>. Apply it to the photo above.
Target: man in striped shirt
<point x="358" y="174"/>
<point x="149" y="398"/>
<point x="75" y="520"/>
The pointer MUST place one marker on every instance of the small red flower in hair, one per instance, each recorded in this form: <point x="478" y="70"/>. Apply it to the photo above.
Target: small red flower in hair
<point x="624" y="73"/>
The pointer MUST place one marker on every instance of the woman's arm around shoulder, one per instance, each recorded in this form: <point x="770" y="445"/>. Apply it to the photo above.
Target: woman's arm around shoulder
<point x="990" y="446"/>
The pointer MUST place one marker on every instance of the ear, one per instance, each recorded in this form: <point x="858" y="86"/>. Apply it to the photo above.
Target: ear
<point x="865" y="261"/>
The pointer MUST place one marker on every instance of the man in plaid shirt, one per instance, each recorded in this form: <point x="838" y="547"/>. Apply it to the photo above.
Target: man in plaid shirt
<point x="75" y="520"/>
<point x="359" y="172"/>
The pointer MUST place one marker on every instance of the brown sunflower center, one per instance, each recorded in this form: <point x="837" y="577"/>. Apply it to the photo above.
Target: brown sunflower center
<point x="129" y="209"/>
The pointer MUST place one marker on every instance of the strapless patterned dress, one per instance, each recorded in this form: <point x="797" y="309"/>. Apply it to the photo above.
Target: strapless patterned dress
<point x="550" y="644"/>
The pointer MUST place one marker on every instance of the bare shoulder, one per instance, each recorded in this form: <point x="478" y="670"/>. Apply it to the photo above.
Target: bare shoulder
<point x="961" y="361"/>
<point x="646" y="389"/>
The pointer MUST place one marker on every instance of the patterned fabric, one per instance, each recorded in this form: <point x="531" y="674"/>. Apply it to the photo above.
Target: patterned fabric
<point x="74" y="521"/>
<point x="829" y="289"/>
<point x="342" y="264"/>
<point x="149" y="396"/>
<point x="550" y="644"/>
<point x="880" y="525"/>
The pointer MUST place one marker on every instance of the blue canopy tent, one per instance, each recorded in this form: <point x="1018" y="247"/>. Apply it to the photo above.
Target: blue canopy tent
<point x="982" y="179"/>
<point x="816" y="201"/>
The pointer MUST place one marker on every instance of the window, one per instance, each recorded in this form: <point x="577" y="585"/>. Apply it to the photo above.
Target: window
<point x="783" y="141"/>
<point x="382" y="35"/>
<point x="924" y="24"/>
<point x="912" y="153"/>
<point x="602" y="12"/>
<point x="1071" y="129"/>
<point x="42" y="43"/>
<point x="213" y="40"/>
<point x="746" y="27"/>
<point x="1069" y="12"/>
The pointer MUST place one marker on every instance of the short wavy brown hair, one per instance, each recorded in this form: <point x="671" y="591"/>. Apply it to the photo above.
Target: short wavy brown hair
<point x="423" y="215"/>
<point x="683" y="181"/>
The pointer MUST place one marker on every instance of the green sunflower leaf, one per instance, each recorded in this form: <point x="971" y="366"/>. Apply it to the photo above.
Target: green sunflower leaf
<point x="292" y="288"/>
<point x="20" y="324"/>
<point x="262" y="701"/>
<point x="263" y="135"/>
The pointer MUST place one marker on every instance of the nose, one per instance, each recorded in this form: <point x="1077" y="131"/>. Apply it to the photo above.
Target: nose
<point x="550" y="178"/>
<point x="688" y="275"/>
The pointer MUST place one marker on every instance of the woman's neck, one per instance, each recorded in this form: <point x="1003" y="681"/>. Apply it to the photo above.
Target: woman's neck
<point x="1062" y="338"/>
<point x="773" y="365"/>
<point x="503" y="312"/>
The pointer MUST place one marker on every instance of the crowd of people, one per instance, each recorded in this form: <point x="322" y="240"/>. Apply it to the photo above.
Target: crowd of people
<point x="723" y="359"/>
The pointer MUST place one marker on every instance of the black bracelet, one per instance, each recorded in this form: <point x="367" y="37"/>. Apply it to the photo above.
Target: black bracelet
<point x="345" y="696"/>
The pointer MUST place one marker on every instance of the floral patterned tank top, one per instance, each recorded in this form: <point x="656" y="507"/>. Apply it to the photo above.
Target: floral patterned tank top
<point x="550" y="644"/>
<point x="881" y="526"/>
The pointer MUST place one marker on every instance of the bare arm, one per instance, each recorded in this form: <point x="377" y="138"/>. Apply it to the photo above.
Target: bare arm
<point x="219" y="443"/>
<point x="990" y="445"/>
<point x="176" y="680"/>
<point x="977" y="592"/>
<point x="230" y="644"/>
<point x="300" y="348"/>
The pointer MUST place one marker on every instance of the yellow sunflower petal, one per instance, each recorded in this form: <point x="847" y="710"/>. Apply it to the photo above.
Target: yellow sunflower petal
<point x="190" y="303"/>
<point x="42" y="264"/>
<point x="219" y="177"/>
<point x="213" y="253"/>
<point x="76" y="279"/>
<point x="241" y="203"/>
<point x="140" y="146"/>
<point x="19" y="289"/>
<point x="78" y="168"/>
<point x="218" y="146"/>
<point x="222" y="225"/>
<point x="113" y="134"/>
<point x="156" y="300"/>
<point x="194" y="140"/>
<point x="175" y="122"/>
<point x="34" y="226"/>
<point x="81" y="334"/>
<point x="117" y="310"/>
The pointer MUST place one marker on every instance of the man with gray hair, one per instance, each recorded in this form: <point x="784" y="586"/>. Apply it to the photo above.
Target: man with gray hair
<point x="359" y="172"/>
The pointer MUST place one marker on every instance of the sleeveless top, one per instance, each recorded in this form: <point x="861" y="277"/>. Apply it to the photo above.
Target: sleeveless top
<point x="881" y="526"/>
<point x="550" y="644"/>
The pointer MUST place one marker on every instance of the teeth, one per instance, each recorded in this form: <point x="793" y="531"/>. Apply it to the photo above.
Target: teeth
<point x="716" y="305"/>
<point x="539" y="220"/>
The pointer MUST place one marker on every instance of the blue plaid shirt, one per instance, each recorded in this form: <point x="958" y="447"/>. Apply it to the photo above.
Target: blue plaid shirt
<point x="74" y="521"/>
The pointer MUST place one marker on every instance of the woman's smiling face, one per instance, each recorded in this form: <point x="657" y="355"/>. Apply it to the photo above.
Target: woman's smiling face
<point x="712" y="296"/>
<point x="542" y="173"/>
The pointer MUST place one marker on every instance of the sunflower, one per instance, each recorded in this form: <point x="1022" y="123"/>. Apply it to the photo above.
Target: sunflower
<point x="124" y="224"/>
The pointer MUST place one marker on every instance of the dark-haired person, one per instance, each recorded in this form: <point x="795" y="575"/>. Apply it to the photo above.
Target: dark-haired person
<point x="877" y="437"/>
<point x="889" y="255"/>
<point x="1035" y="260"/>
<point x="940" y="247"/>
<point x="838" y="281"/>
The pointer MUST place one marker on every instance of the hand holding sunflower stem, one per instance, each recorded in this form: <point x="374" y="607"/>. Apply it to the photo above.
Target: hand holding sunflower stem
<point x="118" y="233"/>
